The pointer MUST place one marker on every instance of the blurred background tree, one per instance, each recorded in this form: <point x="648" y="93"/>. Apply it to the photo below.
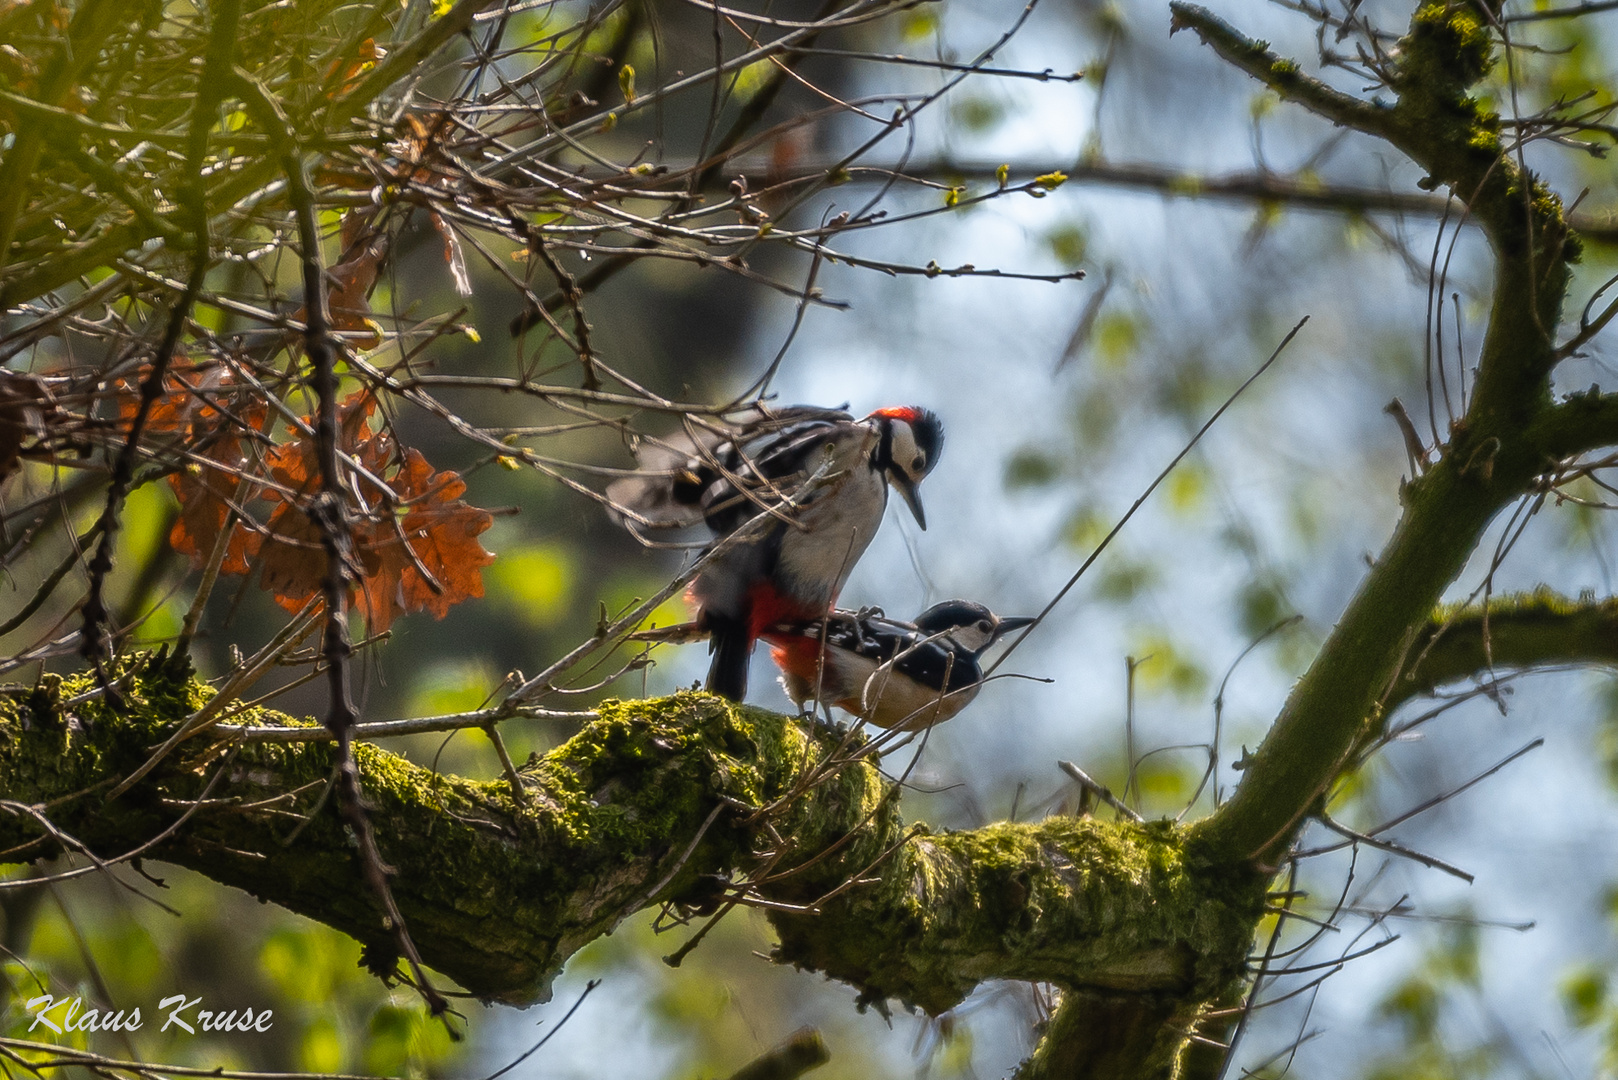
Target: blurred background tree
<point x="697" y="212"/>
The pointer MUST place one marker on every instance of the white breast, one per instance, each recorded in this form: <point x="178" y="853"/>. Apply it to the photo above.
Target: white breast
<point x="910" y="706"/>
<point x="837" y="524"/>
<point x="884" y="697"/>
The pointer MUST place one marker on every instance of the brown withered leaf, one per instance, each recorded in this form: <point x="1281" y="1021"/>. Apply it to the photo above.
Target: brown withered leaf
<point x="352" y="277"/>
<point x="207" y="488"/>
<point x="292" y="554"/>
<point x="441" y="531"/>
<point x="204" y="404"/>
<point x="363" y="60"/>
<point x="292" y="557"/>
<point x="187" y="391"/>
<point x="433" y="531"/>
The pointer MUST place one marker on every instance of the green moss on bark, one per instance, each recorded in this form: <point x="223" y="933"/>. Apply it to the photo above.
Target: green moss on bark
<point x="1448" y="49"/>
<point x="1085" y="903"/>
<point x="499" y="894"/>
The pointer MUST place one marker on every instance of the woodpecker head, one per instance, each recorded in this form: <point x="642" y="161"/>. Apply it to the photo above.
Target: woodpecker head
<point x="912" y="438"/>
<point x="971" y="626"/>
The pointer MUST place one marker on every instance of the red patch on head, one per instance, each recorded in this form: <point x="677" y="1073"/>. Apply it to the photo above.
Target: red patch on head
<point x="898" y="412"/>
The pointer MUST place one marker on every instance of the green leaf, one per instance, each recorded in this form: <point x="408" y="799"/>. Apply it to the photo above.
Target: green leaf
<point x="977" y="114"/>
<point x="1186" y="486"/>
<point x="753" y="78"/>
<point x="1262" y="606"/>
<point x="1123" y="580"/>
<point x="1031" y="468"/>
<point x="919" y="24"/>
<point x="1584" y="993"/>
<point x="322" y="1049"/>
<point x="1069" y="243"/>
<point x="536" y="581"/>
<point x="452" y="686"/>
<point x="1117" y="335"/>
<point x="1164" y="668"/>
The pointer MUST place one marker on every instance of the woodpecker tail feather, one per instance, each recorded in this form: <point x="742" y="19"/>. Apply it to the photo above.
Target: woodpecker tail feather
<point x="732" y="648"/>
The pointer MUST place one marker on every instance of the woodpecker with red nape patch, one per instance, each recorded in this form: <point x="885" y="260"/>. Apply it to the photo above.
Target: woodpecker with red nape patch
<point x="906" y="676"/>
<point x="834" y="469"/>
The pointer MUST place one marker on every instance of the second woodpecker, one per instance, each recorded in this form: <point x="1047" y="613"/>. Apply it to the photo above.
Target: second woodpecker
<point x="899" y="675"/>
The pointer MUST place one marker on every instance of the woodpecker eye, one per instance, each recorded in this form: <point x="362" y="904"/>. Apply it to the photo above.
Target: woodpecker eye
<point x="916" y="466"/>
<point x="985" y="625"/>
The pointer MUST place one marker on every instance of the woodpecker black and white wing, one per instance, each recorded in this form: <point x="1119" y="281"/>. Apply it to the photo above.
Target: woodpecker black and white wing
<point x="723" y="473"/>
<point x="766" y="463"/>
<point x="890" y="672"/>
<point x="666" y="489"/>
<point x="647" y="499"/>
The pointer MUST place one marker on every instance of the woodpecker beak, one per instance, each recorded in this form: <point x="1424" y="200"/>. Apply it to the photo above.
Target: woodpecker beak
<point x="912" y="500"/>
<point x="1010" y="623"/>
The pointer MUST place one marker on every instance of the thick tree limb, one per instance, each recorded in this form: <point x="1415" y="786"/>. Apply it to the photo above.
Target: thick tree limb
<point x="1515" y="633"/>
<point x="1490" y="457"/>
<point x="1494" y="453"/>
<point x="1582" y="422"/>
<point x="499" y="895"/>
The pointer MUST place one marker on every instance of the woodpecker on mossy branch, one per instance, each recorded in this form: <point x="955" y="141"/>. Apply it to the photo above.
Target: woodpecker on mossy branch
<point x="823" y="475"/>
<point x="906" y="676"/>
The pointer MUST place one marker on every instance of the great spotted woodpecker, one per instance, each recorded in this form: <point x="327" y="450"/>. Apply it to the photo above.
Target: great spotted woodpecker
<point x="834" y="469"/>
<point x="900" y="675"/>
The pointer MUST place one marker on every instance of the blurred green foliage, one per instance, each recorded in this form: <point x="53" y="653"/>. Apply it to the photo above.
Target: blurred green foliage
<point x="125" y="949"/>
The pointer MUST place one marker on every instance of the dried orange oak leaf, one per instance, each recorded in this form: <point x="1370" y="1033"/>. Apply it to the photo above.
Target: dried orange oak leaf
<point x="441" y="532"/>
<point x="423" y="555"/>
<point x="203" y="404"/>
<point x="291" y="551"/>
<point x="208" y="488"/>
<point x="363" y="60"/>
<point x="188" y="389"/>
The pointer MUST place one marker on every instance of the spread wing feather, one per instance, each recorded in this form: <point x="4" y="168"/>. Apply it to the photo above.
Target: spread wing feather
<point x="722" y="477"/>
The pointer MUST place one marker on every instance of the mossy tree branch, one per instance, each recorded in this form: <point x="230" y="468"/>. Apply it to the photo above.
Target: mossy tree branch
<point x="1141" y="933"/>
<point x="1512" y="633"/>
<point x="1581" y="423"/>
<point x="1495" y="451"/>
<point x="622" y="817"/>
